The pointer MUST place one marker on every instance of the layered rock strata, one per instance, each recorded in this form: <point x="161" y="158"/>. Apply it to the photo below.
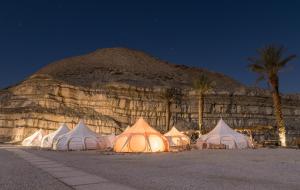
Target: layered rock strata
<point x="122" y="88"/>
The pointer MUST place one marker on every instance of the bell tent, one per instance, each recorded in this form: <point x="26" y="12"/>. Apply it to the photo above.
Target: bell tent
<point x="128" y="127"/>
<point x="223" y="134"/>
<point x="141" y="138"/>
<point x="48" y="140"/>
<point x="35" y="139"/>
<point x="177" y="139"/>
<point x="80" y="138"/>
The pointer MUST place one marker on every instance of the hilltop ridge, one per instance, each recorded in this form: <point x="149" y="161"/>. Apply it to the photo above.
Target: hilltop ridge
<point x="128" y="66"/>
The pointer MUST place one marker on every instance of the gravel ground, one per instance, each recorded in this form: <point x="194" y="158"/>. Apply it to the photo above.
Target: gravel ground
<point x="207" y="169"/>
<point x="18" y="174"/>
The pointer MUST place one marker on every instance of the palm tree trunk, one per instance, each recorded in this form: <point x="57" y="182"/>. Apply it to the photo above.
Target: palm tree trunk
<point x="168" y="104"/>
<point x="200" y="112"/>
<point x="278" y="115"/>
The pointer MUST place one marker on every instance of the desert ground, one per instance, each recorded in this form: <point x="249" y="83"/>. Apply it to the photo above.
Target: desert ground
<point x="24" y="168"/>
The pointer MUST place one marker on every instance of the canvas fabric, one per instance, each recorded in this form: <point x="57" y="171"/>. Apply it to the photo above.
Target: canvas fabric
<point x="176" y="138"/>
<point x="80" y="138"/>
<point x="141" y="137"/>
<point x="48" y="140"/>
<point x="223" y="134"/>
<point x="35" y="139"/>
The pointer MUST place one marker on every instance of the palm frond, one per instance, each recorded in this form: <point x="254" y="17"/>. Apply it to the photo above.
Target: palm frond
<point x="258" y="68"/>
<point x="259" y="79"/>
<point x="203" y="84"/>
<point x="270" y="60"/>
<point x="284" y="61"/>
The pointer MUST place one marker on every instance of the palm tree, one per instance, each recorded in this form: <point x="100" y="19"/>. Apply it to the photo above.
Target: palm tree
<point x="202" y="85"/>
<point x="269" y="62"/>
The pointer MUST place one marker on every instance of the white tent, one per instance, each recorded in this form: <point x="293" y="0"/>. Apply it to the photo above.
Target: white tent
<point x="141" y="138"/>
<point x="35" y="139"/>
<point x="223" y="134"/>
<point x="177" y="139"/>
<point x="80" y="138"/>
<point x="48" y="140"/>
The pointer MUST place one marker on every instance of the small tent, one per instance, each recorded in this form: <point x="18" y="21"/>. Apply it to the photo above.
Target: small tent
<point x="80" y="138"/>
<point x="177" y="139"/>
<point x="35" y="139"/>
<point x="141" y="138"/>
<point x="48" y="140"/>
<point x="223" y="134"/>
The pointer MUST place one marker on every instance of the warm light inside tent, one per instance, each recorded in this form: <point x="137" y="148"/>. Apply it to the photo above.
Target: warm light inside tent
<point x="140" y="143"/>
<point x="176" y="138"/>
<point x="156" y="143"/>
<point x="120" y="143"/>
<point x="137" y="143"/>
<point x="141" y="138"/>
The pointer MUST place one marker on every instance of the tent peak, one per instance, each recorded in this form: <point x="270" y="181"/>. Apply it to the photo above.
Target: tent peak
<point x="141" y="118"/>
<point x="173" y="129"/>
<point x="221" y="121"/>
<point x="62" y="126"/>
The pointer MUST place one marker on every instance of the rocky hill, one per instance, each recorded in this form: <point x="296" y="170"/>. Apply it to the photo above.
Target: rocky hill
<point x="110" y="88"/>
<point x="132" y="67"/>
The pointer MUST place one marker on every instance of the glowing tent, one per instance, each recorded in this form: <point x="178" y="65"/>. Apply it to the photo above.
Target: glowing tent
<point x="223" y="134"/>
<point x="177" y="139"/>
<point x="48" y="140"/>
<point x="141" y="138"/>
<point x="35" y="139"/>
<point x="128" y="127"/>
<point x="80" y="138"/>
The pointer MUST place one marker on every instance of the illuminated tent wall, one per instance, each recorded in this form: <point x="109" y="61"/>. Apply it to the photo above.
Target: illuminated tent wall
<point x="141" y="138"/>
<point x="128" y="127"/>
<point x="80" y="138"/>
<point x="177" y="139"/>
<point x="223" y="134"/>
<point x="35" y="139"/>
<point x="48" y="140"/>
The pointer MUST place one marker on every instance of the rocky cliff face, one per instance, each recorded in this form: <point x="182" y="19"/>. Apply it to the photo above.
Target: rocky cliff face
<point x="111" y="88"/>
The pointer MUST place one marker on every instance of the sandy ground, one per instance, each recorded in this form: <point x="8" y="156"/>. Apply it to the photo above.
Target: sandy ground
<point x="18" y="174"/>
<point x="206" y="169"/>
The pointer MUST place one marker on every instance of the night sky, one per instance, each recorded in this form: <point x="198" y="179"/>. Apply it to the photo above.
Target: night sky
<point x="218" y="35"/>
